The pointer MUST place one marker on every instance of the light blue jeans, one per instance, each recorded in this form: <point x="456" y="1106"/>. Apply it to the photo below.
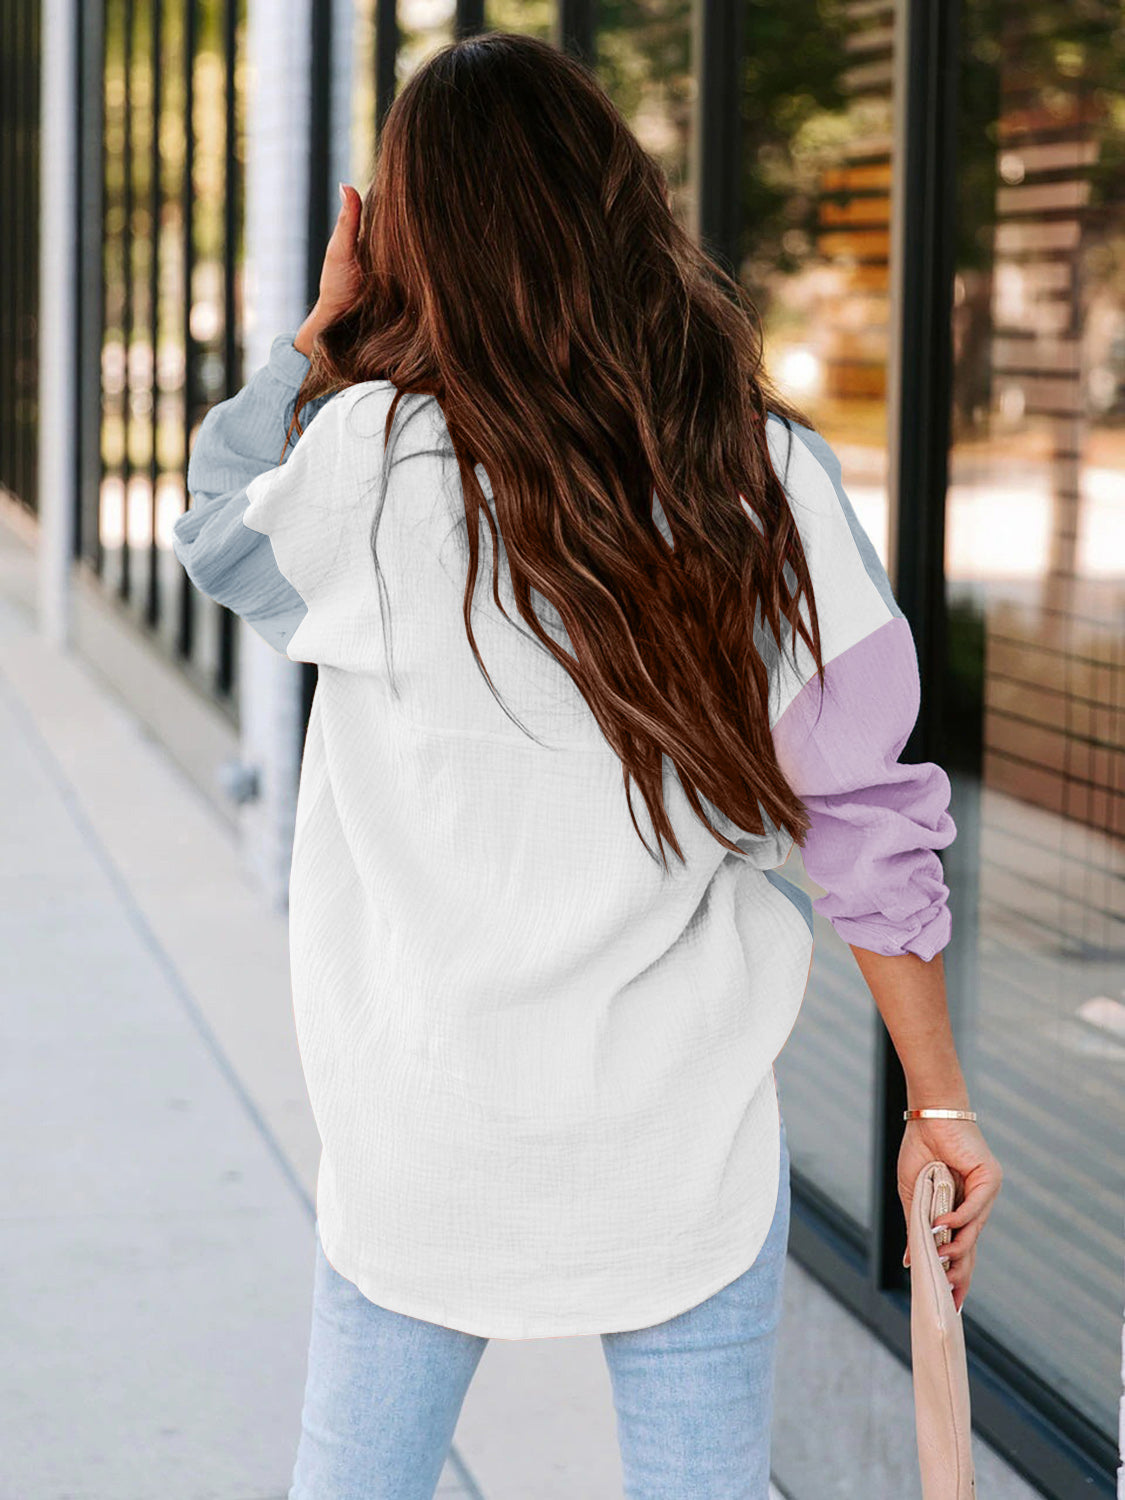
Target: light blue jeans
<point x="693" y="1395"/>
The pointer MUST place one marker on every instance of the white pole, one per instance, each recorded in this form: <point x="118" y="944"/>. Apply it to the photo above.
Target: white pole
<point x="58" y="256"/>
<point x="277" y="155"/>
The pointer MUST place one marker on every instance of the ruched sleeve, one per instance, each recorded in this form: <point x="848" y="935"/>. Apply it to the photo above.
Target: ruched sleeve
<point x="877" y="822"/>
<point x="238" y="440"/>
<point x="316" y="513"/>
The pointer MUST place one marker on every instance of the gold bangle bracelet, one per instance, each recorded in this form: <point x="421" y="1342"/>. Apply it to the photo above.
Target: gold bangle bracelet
<point x="939" y="1114"/>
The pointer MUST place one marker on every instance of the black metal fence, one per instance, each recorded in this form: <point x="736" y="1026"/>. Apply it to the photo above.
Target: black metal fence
<point x="160" y="299"/>
<point x="19" y="247"/>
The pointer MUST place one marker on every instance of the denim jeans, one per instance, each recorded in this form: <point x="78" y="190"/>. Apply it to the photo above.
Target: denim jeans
<point x="693" y="1395"/>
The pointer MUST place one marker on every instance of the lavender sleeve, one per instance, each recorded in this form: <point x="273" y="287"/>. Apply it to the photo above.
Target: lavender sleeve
<point x="238" y="440"/>
<point x="876" y="822"/>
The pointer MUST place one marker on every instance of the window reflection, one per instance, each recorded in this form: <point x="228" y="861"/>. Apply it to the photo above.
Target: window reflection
<point x="1035" y="561"/>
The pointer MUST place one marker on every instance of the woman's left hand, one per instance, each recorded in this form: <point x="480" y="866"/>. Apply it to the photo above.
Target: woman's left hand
<point x="977" y="1176"/>
<point x="340" y="277"/>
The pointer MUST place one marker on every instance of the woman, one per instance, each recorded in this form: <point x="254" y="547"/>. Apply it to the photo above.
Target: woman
<point x="540" y="1052"/>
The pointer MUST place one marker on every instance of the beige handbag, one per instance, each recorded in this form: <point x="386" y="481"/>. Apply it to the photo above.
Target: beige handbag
<point x="937" y="1347"/>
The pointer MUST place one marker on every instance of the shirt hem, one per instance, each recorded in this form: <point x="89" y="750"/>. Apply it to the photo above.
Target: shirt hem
<point x="435" y="1312"/>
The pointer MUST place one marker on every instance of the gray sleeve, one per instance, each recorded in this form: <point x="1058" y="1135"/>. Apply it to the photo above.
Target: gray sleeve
<point x="238" y="440"/>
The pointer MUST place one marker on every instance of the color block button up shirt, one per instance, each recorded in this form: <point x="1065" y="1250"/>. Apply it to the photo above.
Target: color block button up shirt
<point x="541" y="1066"/>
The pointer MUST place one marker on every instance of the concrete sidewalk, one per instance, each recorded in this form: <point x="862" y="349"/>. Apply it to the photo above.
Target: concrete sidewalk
<point x="159" y="1154"/>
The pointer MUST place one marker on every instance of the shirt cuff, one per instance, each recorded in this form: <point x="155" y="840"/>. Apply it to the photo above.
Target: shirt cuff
<point x="286" y="362"/>
<point x="929" y="931"/>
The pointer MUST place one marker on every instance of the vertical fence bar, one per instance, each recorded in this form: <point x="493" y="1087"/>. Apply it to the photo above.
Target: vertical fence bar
<point x="318" y="208"/>
<point x="185" y="643"/>
<point x="716" y="164"/>
<point x="125" y="578"/>
<point x="156" y="35"/>
<point x="18" y="85"/>
<point x="55" y="127"/>
<point x="232" y="373"/>
<point x="20" y="97"/>
<point x="90" y="271"/>
<point x="575" y="29"/>
<point x="7" y="251"/>
<point x="113" y="274"/>
<point x="31" y="123"/>
<point x="8" y="255"/>
<point x="17" y="192"/>
<point x="15" y="196"/>
<point x="468" y="18"/>
<point x="227" y="622"/>
<point x="386" y="57"/>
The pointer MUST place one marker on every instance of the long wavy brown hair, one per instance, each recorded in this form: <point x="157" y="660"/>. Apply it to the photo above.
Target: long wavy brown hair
<point x="522" y="265"/>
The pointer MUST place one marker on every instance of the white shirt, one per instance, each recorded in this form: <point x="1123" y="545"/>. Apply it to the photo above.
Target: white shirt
<point x="542" y="1067"/>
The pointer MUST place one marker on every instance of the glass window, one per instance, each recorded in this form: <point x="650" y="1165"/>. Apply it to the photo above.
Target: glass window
<point x="1035" y="560"/>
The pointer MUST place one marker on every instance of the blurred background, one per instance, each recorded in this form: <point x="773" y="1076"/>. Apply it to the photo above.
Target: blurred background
<point x="926" y="199"/>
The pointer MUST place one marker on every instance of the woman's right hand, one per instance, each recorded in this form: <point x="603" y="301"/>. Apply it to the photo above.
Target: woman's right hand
<point x="977" y="1176"/>
<point x="340" y="277"/>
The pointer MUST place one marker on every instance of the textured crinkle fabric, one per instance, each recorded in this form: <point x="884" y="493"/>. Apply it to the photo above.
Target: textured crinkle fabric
<point x="541" y="1066"/>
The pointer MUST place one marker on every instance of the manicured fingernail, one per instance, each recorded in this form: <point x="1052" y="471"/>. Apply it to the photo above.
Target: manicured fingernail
<point x="904" y="1260"/>
<point x="343" y="195"/>
<point x="937" y="1228"/>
